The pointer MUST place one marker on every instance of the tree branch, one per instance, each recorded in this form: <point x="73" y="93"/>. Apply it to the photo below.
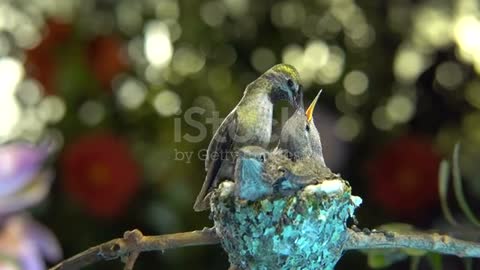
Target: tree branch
<point x="417" y="240"/>
<point x="133" y="243"/>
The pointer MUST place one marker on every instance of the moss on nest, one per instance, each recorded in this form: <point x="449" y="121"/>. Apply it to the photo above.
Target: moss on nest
<point x="306" y="230"/>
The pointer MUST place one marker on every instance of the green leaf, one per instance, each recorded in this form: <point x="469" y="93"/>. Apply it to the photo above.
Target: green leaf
<point x="443" y="173"/>
<point x="376" y="261"/>
<point x="414" y="252"/>
<point x="468" y="262"/>
<point x="435" y="260"/>
<point x="414" y="263"/>
<point x="379" y="259"/>
<point x="396" y="227"/>
<point x="457" y="186"/>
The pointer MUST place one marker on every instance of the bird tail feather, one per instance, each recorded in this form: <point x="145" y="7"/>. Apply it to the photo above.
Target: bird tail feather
<point x="202" y="202"/>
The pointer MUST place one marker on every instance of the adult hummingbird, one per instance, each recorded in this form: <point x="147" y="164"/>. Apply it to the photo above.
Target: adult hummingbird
<point x="249" y="123"/>
<point x="299" y="136"/>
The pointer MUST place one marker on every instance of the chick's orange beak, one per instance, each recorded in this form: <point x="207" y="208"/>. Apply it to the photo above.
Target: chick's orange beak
<point x="309" y="111"/>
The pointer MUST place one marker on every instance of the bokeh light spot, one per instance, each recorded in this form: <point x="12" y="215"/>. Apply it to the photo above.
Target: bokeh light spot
<point x="262" y="59"/>
<point x="136" y="50"/>
<point x="361" y="37"/>
<point x="400" y="109"/>
<point x="187" y="60"/>
<point x="347" y="128"/>
<point x="131" y="93"/>
<point x="29" y="92"/>
<point x="316" y="54"/>
<point x="356" y="82"/>
<point x="91" y="112"/>
<point x="467" y="35"/>
<point x="213" y="13"/>
<point x="167" y="9"/>
<point x="471" y="126"/>
<point x="129" y="17"/>
<point x="328" y="23"/>
<point x="5" y="45"/>
<point x="472" y="93"/>
<point x="449" y="75"/>
<point x="333" y="69"/>
<point x="408" y="64"/>
<point x="288" y="14"/>
<point x="439" y="30"/>
<point x="26" y="35"/>
<point x="167" y="103"/>
<point x="52" y="109"/>
<point x="158" y="48"/>
<point x="292" y="54"/>
<point x="237" y="8"/>
<point x="11" y="72"/>
<point x="380" y="119"/>
<point x="205" y="102"/>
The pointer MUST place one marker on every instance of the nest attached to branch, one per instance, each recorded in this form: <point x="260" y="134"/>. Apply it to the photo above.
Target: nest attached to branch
<point x="305" y="230"/>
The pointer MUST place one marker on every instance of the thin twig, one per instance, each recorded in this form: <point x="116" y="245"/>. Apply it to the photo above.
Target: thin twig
<point x="433" y="242"/>
<point x="124" y="247"/>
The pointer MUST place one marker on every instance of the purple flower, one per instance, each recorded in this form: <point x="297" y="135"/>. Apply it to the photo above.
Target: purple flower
<point x="24" y="244"/>
<point x="22" y="181"/>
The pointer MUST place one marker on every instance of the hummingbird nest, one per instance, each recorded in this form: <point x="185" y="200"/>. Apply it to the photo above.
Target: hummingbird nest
<point x="304" y="230"/>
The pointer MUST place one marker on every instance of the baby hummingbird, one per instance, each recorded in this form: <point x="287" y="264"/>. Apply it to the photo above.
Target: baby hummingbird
<point x="305" y="164"/>
<point x="299" y="136"/>
<point x="287" y="175"/>
<point x="259" y="173"/>
<point x="249" y="123"/>
<point x="251" y="183"/>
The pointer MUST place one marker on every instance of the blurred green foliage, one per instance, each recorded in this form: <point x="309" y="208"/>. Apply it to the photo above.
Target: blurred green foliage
<point x="160" y="74"/>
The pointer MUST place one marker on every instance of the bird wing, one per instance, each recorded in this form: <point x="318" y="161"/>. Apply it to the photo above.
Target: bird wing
<point x="220" y="146"/>
<point x="221" y="138"/>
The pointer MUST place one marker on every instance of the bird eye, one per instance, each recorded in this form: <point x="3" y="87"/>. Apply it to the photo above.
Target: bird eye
<point x="307" y="128"/>
<point x="262" y="158"/>
<point x="290" y="83"/>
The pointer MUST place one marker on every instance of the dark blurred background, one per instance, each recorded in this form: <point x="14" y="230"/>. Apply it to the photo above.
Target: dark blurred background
<point x="131" y="92"/>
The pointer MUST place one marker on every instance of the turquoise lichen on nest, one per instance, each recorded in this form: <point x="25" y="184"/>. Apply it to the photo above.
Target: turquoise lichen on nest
<point x="305" y="230"/>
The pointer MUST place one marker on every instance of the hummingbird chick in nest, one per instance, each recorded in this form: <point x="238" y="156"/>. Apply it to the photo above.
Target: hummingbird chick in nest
<point x="259" y="173"/>
<point x="251" y="182"/>
<point x="289" y="175"/>
<point x="300" y="137"/>
<point x="302" y="163"/>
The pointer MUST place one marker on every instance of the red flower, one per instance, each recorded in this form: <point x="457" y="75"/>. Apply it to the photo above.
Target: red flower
<point x="107" y="58"/>
<point x="56" y="32"/>
<point x="105" y="54"/>
<point x="404" y="176"/>
<point x="100" y="173"/>
<point x="40" y="61"/>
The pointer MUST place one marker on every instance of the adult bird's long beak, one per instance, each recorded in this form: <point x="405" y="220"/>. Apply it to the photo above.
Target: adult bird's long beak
<point x="309" y="111"/>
